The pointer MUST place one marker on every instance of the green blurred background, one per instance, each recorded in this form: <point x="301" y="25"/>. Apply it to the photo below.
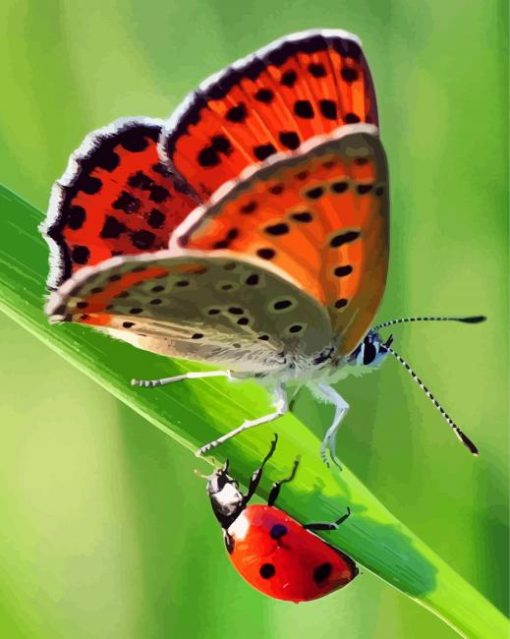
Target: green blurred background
<point x="105" y="531"/>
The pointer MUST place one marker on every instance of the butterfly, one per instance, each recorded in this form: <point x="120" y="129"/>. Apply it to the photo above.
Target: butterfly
<point x="249" y="231"/>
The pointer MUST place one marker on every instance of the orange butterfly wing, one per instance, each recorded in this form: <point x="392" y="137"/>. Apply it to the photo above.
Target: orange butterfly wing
<point x="116" y="198"/>
<point x="321" y="216"/>
<point x="301" y="86"/>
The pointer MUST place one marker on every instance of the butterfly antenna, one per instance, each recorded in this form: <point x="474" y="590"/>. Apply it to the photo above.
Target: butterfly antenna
<point x="473" y="319"/>
<point x="462" y="437"/>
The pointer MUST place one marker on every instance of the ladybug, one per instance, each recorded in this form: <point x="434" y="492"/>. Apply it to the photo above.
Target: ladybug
<point x="272" y="551"/>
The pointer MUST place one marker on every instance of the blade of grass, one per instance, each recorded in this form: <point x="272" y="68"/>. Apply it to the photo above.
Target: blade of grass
<point x="196" y="412"/>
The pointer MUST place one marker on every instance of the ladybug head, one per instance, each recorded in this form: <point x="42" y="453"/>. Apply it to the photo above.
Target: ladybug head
<point x="227" y="501"/>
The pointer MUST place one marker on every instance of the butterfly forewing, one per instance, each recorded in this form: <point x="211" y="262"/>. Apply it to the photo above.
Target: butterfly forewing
<point x="215" y="308"/>
<point x="296" y="88"/>
<point x="320" y="215"/>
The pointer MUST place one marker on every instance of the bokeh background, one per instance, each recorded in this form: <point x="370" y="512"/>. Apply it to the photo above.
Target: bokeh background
<point x="104" y="530"/>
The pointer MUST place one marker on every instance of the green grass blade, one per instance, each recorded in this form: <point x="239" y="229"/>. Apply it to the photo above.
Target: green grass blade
<point x="196" y="412"/>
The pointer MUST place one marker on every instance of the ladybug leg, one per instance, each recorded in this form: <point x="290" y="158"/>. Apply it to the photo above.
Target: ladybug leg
<point x="334" y="525"/>
<point x="257" y="474"/>
<point x="275" y="489"/>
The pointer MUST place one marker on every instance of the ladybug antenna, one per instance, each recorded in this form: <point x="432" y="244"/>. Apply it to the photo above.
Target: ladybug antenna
<point x="226" y="466"/>
<point x="462" y="437"/>
<point x="473" y="319"/>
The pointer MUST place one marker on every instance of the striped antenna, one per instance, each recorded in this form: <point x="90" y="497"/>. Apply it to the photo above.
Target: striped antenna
<point x="474" y="319"/>
<point x="462" y="437"/>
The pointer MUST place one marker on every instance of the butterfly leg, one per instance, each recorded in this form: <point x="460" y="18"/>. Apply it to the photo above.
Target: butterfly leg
<point x="330" y="396"/>
<point x="151" y="383"/>
<point x="281" y="407"/>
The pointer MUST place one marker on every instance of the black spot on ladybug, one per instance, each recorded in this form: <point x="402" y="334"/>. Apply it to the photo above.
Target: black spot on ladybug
<point x="127" y="203"/>
<point x="112" y="228"/>
<point x="237" y="113"/>
<point x="80" y="254"/>
<point x="317" y="70"/>
<point x="278" y="530"/>
<point x="264" y="95"/>
<point x="328" y="109"/>
<point x="156" y="219"/>
<point x="322" y="572"/>
<point x="158" y="193"/>
<point x="351" y="118"/>
<point x="289" y="78"/>
<point x="143" y="239"/>
<point x="303" y="109"/>
<point x="289" y="139"/>
<point x="267" y="571"/>
<point x="75" y="217"/>
<point x="263" y="151"/>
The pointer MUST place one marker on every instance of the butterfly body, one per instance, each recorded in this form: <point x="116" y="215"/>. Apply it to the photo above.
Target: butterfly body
<point x="250" y="231"/>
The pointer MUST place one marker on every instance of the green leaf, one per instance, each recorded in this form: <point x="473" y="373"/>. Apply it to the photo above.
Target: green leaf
<point x="196" y="412"/>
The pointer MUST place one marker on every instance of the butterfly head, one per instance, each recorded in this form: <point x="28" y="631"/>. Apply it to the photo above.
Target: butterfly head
<point x="371" y="351"/>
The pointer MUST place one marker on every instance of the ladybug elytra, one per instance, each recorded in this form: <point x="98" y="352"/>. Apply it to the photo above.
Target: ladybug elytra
<point x="272" y="551"/>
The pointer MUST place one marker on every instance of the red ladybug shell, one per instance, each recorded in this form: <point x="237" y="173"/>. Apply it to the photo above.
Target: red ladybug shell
<point x="280" y="558"/>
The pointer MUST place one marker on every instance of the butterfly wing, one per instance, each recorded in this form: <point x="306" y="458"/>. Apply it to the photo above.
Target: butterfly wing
<point x="300" y="86"/>
<point x="115" y="198"/>
<point x="320" y="214"/>
<point x="215" y="308"/>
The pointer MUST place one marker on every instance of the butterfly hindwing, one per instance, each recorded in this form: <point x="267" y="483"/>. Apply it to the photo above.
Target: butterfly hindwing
<point x="301" y="86"/>
<point x="320" y="215"/>
<point x="116" y="198"/>
<point x="215" y="308"/>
